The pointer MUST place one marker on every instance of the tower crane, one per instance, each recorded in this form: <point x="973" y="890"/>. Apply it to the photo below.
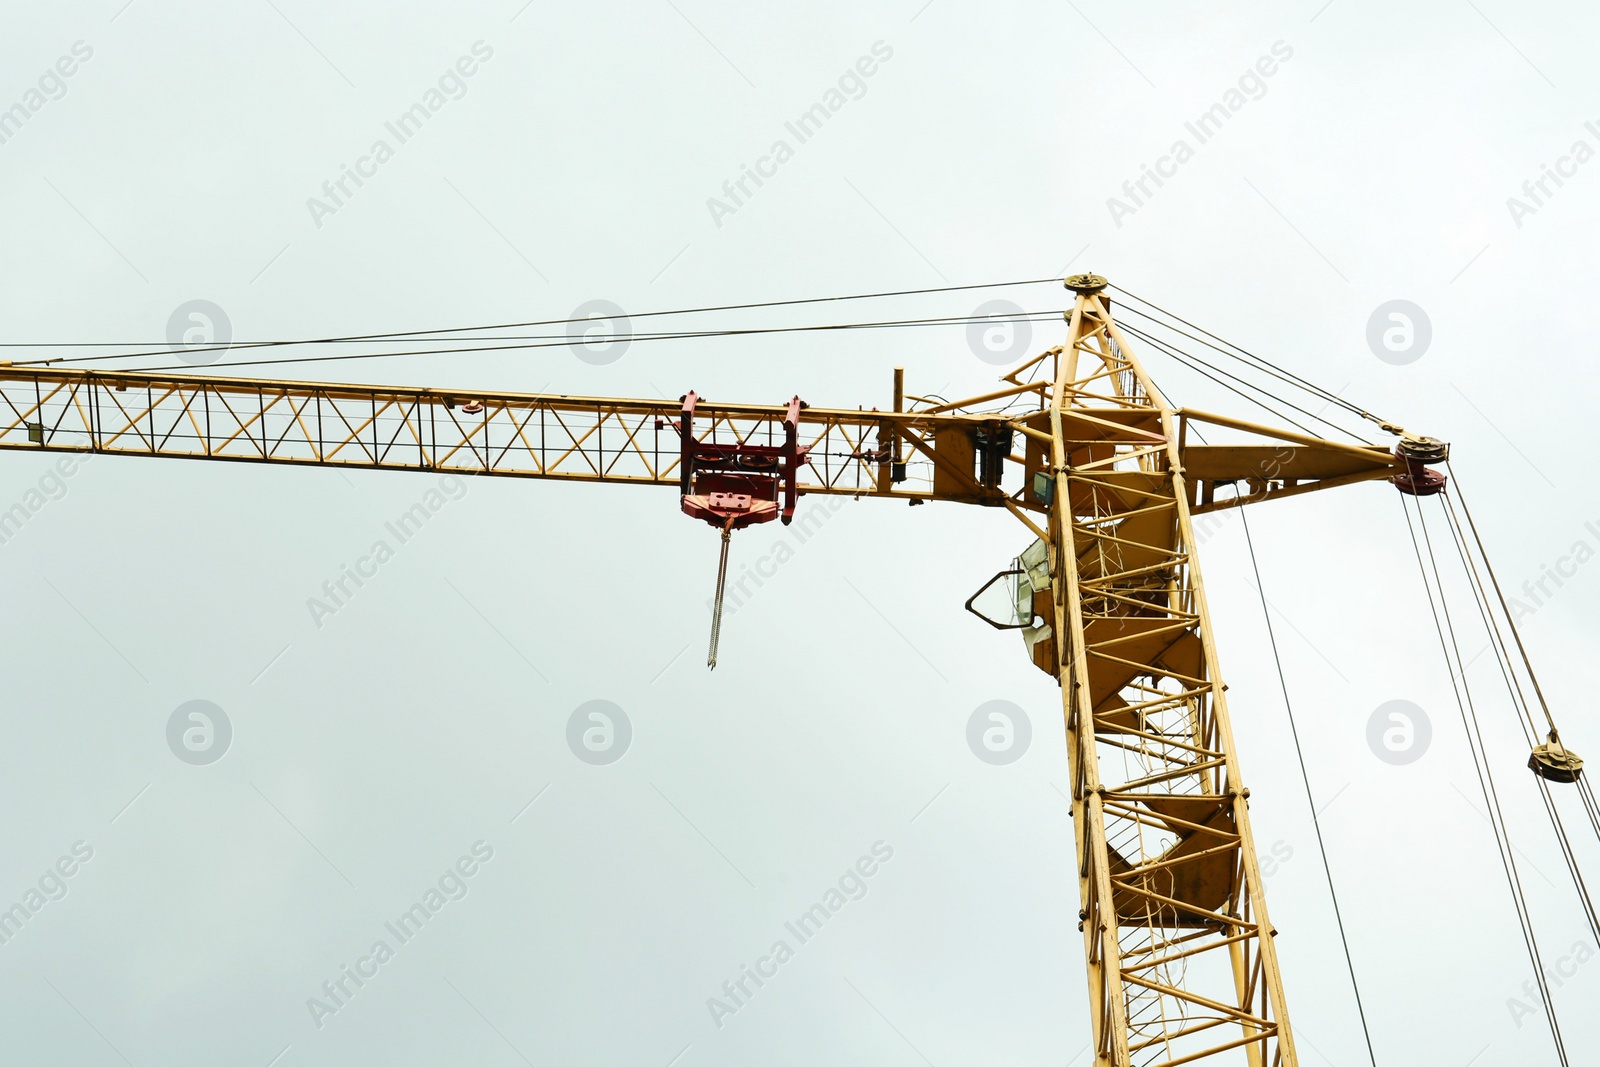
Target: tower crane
<point x="1086" y="454"/>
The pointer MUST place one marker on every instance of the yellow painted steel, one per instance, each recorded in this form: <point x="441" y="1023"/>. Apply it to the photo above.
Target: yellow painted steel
<point x="529" y="435"/>
<point x="1181" y="965"/>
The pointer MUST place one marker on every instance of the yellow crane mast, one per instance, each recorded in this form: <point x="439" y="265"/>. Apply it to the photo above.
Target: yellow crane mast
<point x="1082" y="449"/>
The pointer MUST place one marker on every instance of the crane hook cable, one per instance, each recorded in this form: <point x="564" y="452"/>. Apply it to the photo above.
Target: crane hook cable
<point x="1484" y="772"/>
<point x="1305" y="777"/>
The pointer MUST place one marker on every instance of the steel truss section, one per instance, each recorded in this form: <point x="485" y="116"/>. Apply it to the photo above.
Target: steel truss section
<point x="594" y="439"/>
<point x="1181" y="961"/>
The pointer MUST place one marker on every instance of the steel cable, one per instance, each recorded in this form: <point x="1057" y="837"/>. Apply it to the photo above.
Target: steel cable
<point x="1305" y="778"/>
<point x="1480" y="763"/>
<point x="1245" y="356"/>
<point x="962" y="320"/>
<point x="1184" y="357"/>
<point x="515" y="325"/>
<point x="1514" y="690"/>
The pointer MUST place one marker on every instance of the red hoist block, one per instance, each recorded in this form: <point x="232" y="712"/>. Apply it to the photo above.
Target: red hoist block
<point x="735" y="485"/>
<point x="1413" y="475"/>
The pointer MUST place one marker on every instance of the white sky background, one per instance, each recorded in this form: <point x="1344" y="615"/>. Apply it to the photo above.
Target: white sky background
<point x="426" y="714"/>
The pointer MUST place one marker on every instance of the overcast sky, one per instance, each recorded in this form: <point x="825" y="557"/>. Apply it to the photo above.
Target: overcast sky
<point x="417" y="739"/>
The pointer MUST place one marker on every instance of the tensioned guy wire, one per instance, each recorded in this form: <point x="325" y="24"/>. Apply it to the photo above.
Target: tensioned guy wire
<point x="962" y="320"/>
<point x="406" y="334"/>
<point x="1480" y="763"/>
<point x="1246" y="356"/>
<point x="1185" y="358"/>
<point x="1305" y="777"/>
<point x="1175" y="348"/>
<point x="1519" y="703"/>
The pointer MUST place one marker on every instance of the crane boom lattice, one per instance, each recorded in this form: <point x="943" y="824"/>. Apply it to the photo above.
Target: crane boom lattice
<point x="1181" y="961"/>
